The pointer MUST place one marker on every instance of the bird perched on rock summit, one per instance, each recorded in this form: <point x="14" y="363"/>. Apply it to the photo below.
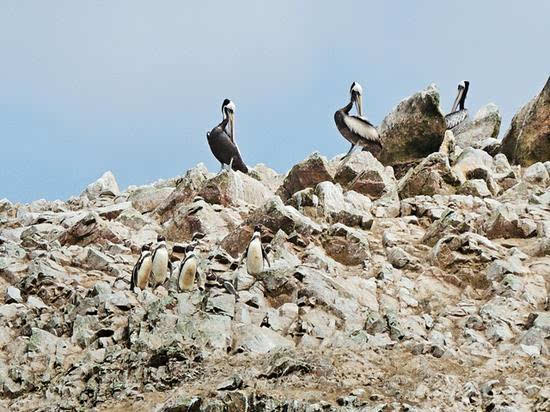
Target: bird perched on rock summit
<point x="355" y="128"/>
<point x="222" y="140"/>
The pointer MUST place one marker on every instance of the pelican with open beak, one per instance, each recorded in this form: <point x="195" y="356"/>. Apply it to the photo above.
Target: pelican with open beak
<point x="458" y="113"/>
<point x="356" y="129"/>
<point x="221" y="140"/>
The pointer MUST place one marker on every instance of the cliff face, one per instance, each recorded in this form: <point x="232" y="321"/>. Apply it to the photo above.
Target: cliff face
<point x="426" y="292"/>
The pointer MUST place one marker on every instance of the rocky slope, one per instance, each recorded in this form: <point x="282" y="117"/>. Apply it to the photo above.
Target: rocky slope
<point x="427" y="292"/>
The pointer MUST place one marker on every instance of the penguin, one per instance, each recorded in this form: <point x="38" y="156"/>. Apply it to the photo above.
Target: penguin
<point x="255" y="254"/>
<point x="161" y="263"/>
<point x="142" y="269"/>
<point x="188" y="270"/>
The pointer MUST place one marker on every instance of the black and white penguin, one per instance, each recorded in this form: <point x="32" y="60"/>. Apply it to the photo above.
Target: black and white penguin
<point x="142" y="269"/>
<point x="255" y="254"/>
<point x="161" y="262"/>
<point x="188" y="270"/>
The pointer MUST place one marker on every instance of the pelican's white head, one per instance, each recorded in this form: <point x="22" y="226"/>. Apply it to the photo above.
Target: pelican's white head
<point x="356" y="92"/>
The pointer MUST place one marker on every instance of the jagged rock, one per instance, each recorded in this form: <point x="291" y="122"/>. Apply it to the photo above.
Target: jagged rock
<point x="364" y="174"/>
<point x="526" y="141"/>
<point x="147" y="199"/>
<point x="185" y="191"/>
<point x="234" y="188"/>
<point x="474" y="187"/>
<point x="275" y="215"/>
<point x="13" y="295"/>
<point x="345" y="245"/>
<point x="448" y="145"/>
<point x="413" y="129"/>
<point x="268" y="177"/>
<point x="485" y="124"/>
<point x="105" y="185"/>
<point x="503" y="223"/>
<point x="537" y="174"/>
<point x="490" y="145"/>
<point x="308" y="173"/>
<point x="350" y="208"/>
<point x="432" y="176"/>
<point x="256" y="339"/>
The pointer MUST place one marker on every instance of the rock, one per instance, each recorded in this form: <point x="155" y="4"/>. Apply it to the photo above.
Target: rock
<point x="256" y="339"/>
<point x="432" y="176"/>
<point x="185" y="191"/>
<point x="490" y="145"/>
<point x="345" y="245"/>
<point x="398" y="257"/>
<point x="537" y="174"/>
<point x="364" y="174"/>
<point x="234" y="188"/>
<point x="351" y="208"/>
<point x="275" y="215"/>
<point x="526" y="141"/>
<point x="448" y="145"/>
<point x="13" y="295"/>
<point x="148" y="199"/>
<point x="475" y="187"/>
<point x="105" y="185"/>
<point x="308" y="173"/>
<point x="486" y="124"/>
<point x="473" y="164"/>
<point x="503" y="223"/>
<point x="413" y="129"/>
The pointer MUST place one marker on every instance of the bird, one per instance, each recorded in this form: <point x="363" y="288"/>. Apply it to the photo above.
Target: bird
<point x="188" y="270"/>
<point x="458" y="113"/>
<point x="161" y="262"/>
<point x="142" y="269"/>
<point x="356" y="129"/>
<point x="255" y="254"/>
<point x="222" y="140"/>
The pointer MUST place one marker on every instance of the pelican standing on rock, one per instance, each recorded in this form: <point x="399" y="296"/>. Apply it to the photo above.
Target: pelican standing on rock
<point x="356" y="129"/>
<point x="458" y="113"/>
<point x="222" y="140"/>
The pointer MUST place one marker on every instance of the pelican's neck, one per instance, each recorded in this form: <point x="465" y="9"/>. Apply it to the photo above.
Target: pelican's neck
<point x="346" y="109"/>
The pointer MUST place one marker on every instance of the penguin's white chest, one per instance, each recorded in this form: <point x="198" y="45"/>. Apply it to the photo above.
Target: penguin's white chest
<point x="144" y="272"/>
<point x="160" y="266"/>
<point x="254" y="258"/>
<point x="186" y="279"/>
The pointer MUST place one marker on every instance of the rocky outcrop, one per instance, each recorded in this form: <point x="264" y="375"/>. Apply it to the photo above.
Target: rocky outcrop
<point x="105" y="185"/>
<point x="413" y="129"/>
<point x="485" y="124"/>
<point x="433" y="273"/>
<point x="527" y="141"/>
<point x="308" y="173"/>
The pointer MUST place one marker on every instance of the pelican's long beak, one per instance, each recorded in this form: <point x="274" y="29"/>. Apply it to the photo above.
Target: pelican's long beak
<point x="359" y="104"/>
<point x="457" y="100"/>
<point x="232" y="125"/>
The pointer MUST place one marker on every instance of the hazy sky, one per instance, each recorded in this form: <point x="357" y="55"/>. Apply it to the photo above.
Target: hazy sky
<point x="133" y="86"/>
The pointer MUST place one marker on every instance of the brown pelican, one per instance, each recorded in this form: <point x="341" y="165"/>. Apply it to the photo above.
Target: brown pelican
<point x="356" y="129"/>
<point x="222" y="142"/>
<point x="458" y="113"/>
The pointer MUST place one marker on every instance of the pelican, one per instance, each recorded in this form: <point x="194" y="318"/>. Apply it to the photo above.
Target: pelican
<point x="222" y="142"/>
<point x="356" y="129"/>
<point x="458" y="113"/>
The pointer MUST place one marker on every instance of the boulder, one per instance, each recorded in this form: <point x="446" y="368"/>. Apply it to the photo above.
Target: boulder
<point x="537" y="174"/>
<point x="256" y="339"/>
<point x="105" y="185"/>
<point x="351" y="208"/>
<point x="345" y="245"/>
<point x="185" y="191"/>
<point x="527" y="141"/>
<point x="308" y="173"/>
<point x="413" y="129"/>
<point x="234" y="188"/>
<point x="474" y="187"/>
<point x="147" y="199"/>
<point x="503" y="223"/>
<point x="485" y="124"/>
<point x="432" y="176"/>
<point x="364" y="174"/>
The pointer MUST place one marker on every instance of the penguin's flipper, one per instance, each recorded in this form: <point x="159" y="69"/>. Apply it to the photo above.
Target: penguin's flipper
<point x="264" y="255"/>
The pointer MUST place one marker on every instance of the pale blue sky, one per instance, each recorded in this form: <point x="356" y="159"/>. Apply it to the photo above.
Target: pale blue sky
<point x="133" y="86"/>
